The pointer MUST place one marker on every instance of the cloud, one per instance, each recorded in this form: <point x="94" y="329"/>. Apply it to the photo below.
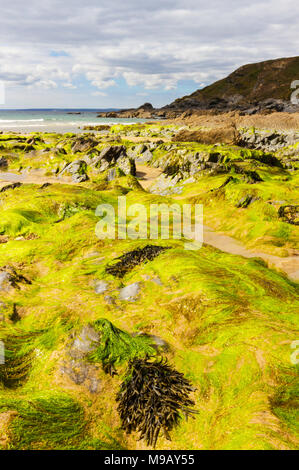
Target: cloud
<point x="99" y="93"/>
<point x="150" y="45"/>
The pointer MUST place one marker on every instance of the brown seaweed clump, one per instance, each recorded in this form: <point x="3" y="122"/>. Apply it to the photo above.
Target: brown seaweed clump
<point x="153" y="397"/>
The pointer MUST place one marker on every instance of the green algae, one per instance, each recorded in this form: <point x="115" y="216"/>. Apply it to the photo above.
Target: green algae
<point x="229" y="321"/>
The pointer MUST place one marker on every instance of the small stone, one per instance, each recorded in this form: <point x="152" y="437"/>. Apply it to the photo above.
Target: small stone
<point x="101" y="287"/>
<point x="130" y="292"/>
<point x="84" y="343"/>
<point x="157" y="281"/>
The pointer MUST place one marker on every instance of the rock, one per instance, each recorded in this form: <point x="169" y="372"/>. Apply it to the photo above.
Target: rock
<point x="77" y="368"/>
<point x="127" y="165"/>
<point x="146" y="157"/>
<point x="245" y="201"/>
<point x="266" y="141"/>
<point x="77" y="178"/>
<point x="77" y="169"/>
<point x="82" y="373"/>
<point x="77" y="166"/>
<point x="140" y="148"/>
<point x="157" y="281"/>
<point x="112" y="153"/>
<point x="84" y="342"/>
<point x="10" y="186"/>
<point x="45" y="185"/>
<point x="83" y="143"/>
<point x="130" y="292"/>
<point x="3" y="163"/>
<point x="290" y="214"/>
<point x="6" y="281"/>
<point x="111" y="175"/>
<point x="101" y="287"/>
<point x="158" y="343"/>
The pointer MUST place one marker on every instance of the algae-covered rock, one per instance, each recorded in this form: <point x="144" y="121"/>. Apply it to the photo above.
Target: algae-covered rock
<point x="83" y="144"/>
<point x="289" y="214"/>
<point x="9" y="279"/>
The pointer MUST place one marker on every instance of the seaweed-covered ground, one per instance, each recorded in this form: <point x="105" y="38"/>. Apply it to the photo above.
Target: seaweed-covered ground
<point x="75" y="311"/>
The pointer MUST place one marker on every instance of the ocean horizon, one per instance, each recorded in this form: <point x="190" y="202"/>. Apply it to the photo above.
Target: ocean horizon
<point x="59" y="120"/>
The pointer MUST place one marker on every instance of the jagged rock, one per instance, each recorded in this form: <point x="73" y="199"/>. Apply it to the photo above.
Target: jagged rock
<point x="77" y="169"/>
<point x="111" y="175"/>
<point x="127" y="165"/>
<point x="77" y="166"/>
<point x="267" y="141"/>
<point x="130" y="292"/>
<point x="82" y="144"/>
<point x="146" y="157"/>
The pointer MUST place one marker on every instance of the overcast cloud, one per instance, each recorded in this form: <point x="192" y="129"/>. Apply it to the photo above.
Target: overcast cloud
<point x="102" y="53"/>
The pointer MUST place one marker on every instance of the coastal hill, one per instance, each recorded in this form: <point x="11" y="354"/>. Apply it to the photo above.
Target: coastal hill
<point x="252" y="88"/>
<point x="249" y="85"/>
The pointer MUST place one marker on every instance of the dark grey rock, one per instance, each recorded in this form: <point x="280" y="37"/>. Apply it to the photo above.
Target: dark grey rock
<point x="3" y="163"/>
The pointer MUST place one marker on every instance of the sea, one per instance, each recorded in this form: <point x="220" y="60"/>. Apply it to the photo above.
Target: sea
<point x="55" y="120"/>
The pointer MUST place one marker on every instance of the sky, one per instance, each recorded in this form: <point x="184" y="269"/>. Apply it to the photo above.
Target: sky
<point x="122" y="53"/>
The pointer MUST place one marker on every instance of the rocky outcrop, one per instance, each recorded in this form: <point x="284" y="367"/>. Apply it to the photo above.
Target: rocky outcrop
<point x="227" y="135"/>
<point x="252" y="88"/>
<point x="266" y="140"/>
<point x="77" y="169"/>
<point x="145" y="111"/>
<point x="114" y="156"/>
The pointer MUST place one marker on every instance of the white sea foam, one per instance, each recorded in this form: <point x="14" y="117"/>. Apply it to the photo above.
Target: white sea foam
<point x="21" y="120"/>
